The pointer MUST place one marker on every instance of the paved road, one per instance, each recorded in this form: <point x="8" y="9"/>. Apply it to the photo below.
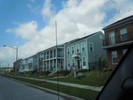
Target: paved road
<point x="12" y="90"/>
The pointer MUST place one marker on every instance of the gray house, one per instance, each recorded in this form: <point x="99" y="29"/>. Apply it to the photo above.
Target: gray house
<point x="28" y="64"/>
<point x="83" y="53"/>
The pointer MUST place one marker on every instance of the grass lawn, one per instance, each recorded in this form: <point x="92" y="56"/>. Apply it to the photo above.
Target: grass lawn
<point x="93" y="78"/>
<point x="82" y="93"/>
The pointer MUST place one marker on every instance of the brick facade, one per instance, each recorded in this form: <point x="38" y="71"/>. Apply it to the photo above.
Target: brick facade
<point x="119" y="45"/>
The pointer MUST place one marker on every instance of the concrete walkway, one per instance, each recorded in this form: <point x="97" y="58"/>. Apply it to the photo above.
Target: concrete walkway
<point x="94" y="88"/>
<point x="77" y="85"/>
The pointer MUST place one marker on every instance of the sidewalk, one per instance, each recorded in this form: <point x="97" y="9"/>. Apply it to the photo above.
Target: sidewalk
<point x="94" y="88"/>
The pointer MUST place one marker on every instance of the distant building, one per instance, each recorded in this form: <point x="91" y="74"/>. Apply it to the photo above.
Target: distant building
<point x="49" y="58"/>
<point x="118" y="37"/>
<point x="28" y="64"/>
<point x="16" y="65"/>
<point x="6" y="69"/>
<point x="84" y="53"/>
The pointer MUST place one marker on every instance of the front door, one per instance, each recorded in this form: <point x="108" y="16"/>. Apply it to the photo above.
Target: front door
<point x="78" y="64"/>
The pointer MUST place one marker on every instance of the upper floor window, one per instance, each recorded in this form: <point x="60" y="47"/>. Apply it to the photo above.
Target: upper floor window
<point x="112" y="37"/>
<point x="23" y="67"/>
<point x="41" y="55"/>
<point x="91" y="46"/>
<point x="123" y="34"/>
<point x="54" y="52"/>
<point x="30" y="65"/>
<point x="47" y="54"/>
<point x="44" y="55"/>
<point x="68" y="51"/>
<point x="83" y="46"/>
<point x="51" y="53"/>
<point x="114" y="57"/>
<point x="72" y="50"/>
<point x="77" y="48"/>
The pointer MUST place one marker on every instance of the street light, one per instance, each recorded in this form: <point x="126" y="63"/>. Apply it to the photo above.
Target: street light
<point x="16" y="49"/>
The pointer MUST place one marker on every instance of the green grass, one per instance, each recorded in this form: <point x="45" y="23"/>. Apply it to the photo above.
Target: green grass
<point x="82" y="93"/>
<point x="93" y="78"/>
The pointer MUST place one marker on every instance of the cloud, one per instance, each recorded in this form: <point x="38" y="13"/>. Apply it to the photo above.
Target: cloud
<point x="76" y="18"/>
<point x="32" y="1"/>
<point x="26" y="30"/>
<point x="124" y="8"/>
<point x="29" y="6"/>
<point x="72" y="22"/>
<point x="47" y="10"/>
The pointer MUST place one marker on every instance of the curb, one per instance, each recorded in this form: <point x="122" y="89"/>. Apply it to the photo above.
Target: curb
<point x="66" y="96"/>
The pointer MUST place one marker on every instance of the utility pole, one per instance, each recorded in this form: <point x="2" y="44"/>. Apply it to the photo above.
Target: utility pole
<point x="56" y="43"/>
<point x="56" y="58"/>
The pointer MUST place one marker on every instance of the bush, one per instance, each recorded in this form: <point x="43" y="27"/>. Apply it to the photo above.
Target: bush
<point x="64" y="72"/>
<point x="84" y="70"/>
<point x="46" y="73"/>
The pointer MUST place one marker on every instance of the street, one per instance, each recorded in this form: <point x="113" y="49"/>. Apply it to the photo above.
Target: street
<point x="12" y="90"/>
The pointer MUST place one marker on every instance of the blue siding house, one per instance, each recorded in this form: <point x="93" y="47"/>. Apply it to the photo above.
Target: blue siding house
<point x="83" y="53"/>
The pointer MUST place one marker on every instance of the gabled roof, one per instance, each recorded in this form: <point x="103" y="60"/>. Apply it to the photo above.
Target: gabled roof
<point x="78" y="39"/>
<point x="58" y="46"/>
<point x="120" y="22"/>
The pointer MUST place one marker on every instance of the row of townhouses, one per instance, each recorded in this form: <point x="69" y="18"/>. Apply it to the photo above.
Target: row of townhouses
<point x="85" y="52"/>
<point x="81" y="53"/>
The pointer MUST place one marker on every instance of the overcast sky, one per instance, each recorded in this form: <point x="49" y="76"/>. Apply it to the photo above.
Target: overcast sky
<point x="30" y="24"/>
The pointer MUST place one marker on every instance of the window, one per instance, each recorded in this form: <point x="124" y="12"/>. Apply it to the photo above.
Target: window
<point x="68" y="52"/>
<point x="44" y="64"/>
<point x="44" y="55"/>
<point x="23" y="67"/>
<point x="112" y="38"/>
<point x="73" y="62"/>
<point x="68" y="63"/>
<point x="114" y="57"/>
<point x="91" y="46"/>
<point x="124" y="51"/>
<point x="72" y="50"/>
<point x="84" y="62"/>
<point x="55" y="53"/>
<point x="51" y="53"/>
<point x="123" y="34"/>
<point x="30" y="65"/>
<point x="83" y="46"/>
<point x="77" y="47"/>
<point x="47" y="55"/>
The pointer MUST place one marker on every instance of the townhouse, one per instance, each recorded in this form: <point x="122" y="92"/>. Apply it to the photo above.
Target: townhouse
<point x="51" y="59"/>
<point x="118" y="37"/>
<point x="28" y="64"/>
<point x="84" y="53"/>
